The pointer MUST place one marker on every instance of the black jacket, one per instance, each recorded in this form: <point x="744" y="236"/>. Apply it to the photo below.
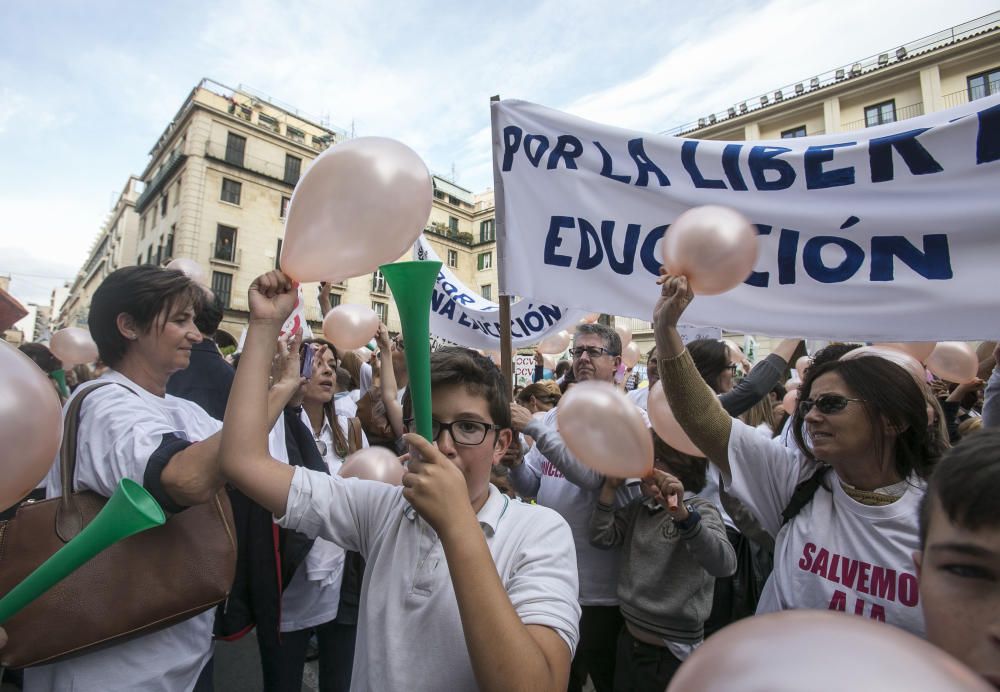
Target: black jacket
<point x="206" y="381"/>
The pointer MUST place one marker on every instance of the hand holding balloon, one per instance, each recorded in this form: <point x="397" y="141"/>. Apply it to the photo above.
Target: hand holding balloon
<point x="667" y="490"/>
<point x="714" y="246"/>
<point x="272" y="297"/>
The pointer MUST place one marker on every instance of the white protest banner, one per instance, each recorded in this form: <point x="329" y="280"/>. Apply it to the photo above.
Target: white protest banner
<point x="464" y="317"/>
<point x="885" y="234"/>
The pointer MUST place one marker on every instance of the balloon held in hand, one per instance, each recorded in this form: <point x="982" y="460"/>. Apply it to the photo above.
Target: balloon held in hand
<point x="30" y="425"/>
<point x="665" y="423"/>
<point x="714" y="247"/>
<point x="605" y="430"/>
<point x="73" y="346"/>
<point x="350" y="326"/>
<point x="953" y="361"/>
<point x="555" y="343"/>
<point x="362" y="203"/>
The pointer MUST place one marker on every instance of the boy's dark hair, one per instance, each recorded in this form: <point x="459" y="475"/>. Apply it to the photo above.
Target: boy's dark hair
<point x="887" y="392"/>
<point x="455" y="365"/>
<point x="209" y="316"/>
<point x="562" y="367"/>
<point x="144" y="292"/>
<point x="966" y="482"/>
<point x="612" y="341"/>
<point x="42" y="356"/>
<point x="689" y="470"/>
<point x="831" y="352"/>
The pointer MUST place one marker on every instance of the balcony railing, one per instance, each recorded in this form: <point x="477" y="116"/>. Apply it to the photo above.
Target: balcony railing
<point x="269" y="169"/>
<point x="156" y="184"/>
<point x="957" y="98"/>
<point x="904" y="113"/>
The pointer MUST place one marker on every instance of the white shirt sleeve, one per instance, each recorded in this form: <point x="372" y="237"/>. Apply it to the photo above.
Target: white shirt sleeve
<point x="345" y="511"/>
<point x="764" y="474"/>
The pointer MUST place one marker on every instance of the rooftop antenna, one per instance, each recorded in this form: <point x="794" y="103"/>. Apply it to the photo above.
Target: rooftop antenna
<point x="454" y="175"/>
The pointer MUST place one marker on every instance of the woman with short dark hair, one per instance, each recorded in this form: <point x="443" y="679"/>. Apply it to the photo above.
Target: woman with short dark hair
<point x="142" y="320"/>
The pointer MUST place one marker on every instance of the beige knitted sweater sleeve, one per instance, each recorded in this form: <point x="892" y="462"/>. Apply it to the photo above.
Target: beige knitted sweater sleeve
<point x="697" y="408"/>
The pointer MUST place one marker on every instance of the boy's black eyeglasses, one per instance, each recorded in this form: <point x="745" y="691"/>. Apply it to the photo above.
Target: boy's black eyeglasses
<point x="826" y="404"/>
<point x="592" y="351"/>
<point x="463" y="432"/>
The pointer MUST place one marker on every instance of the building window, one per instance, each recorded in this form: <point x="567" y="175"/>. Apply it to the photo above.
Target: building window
<point x="231" y="190"/>
<point x="266" y="121"/>
<point x="487" y="231"/>
<point x="453" y="258"/>
<point x="152" y="217"/>
<point x="142" y="226"/>
<point x="381" y="309"/>
<point x="486" y="291"/>
<point x="454" y="200"/>
<point x="293" y="165"/>
<point x="222" y="287"/>
<point x="159" y="254"/>
<point x="295" y="134"/>
<point x="169" y="251"/>
<point x="794" y="132"/>
<point x="439" y="195"/>
<point x="163" y="204"/>
<point x="984" y="84"/>
<point x="177" y="191"/>
<point x="880" y="113"/>
<point x="452" y="225"/>
<point x="235" y="148"/>
<point x="335" y="300"/>
<point x="149" y="255"/>
<point x="485" y="260"/>
<point x="225" y="243"/>
<point x="277" y="256"/>
<point x="378" y="282"/>
<point x="285" y="201"/>
<point x="138" y="260"/>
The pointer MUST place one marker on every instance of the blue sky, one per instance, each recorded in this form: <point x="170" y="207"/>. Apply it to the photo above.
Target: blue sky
<point x="87" y="88"/>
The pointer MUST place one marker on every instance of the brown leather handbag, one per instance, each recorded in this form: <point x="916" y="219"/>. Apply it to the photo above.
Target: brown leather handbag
<point x="138" y="585"/>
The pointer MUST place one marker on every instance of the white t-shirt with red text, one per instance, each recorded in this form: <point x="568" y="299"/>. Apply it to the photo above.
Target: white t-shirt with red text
<point x="837" y="553"/>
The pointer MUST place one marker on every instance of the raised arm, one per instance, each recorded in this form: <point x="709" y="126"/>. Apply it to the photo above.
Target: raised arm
<point x="393" y="411"/>
<point x="246" y="461"/>
<point x="760" y="380"/>
<point x="550" y="444"/>
<point x="608" y="525"/>
<point x="693" y="403"/>
<point x="991" y="397"/>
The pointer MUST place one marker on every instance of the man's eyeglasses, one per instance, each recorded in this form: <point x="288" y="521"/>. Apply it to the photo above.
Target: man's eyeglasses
<point x="825" y="404"/>
<point x="463" y="432"/>
<point x="592" y="351"/>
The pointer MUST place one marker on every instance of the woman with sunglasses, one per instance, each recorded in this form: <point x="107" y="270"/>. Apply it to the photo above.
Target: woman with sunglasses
<point x="849" y="547"/>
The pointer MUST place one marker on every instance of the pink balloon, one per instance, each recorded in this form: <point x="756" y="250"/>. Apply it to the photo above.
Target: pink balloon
<point x="362" y="203"/>
<point x="350" y="326"/>
<point x="631" y="355"/>
<point x="801" y="365"/>
<point x="591" y="318"/>
<point x="792" y="650"/>
<point x="605" y="430"/>
<point x="953" y="361"/>
<point x="364" y="355"/>
<point x="373" y="464"/>
<point x="73" y="346"/>
<point x="549" y="361"/>
<point x="791" y="384"/>
<point x="664" y="423"/>
<point x="624" y="333"/>
<point x="790" y="401"/>
<point x="30" y="425"/>
<point x="192" y="269"/>
<point x="555" y="343"/>
<point x="714" y="247"/>
<point x="904" y="360"/>
<point x="918" y="349"/>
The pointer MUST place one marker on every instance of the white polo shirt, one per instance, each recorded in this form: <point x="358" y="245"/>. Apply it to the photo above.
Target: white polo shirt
<point x="409" y="631"/>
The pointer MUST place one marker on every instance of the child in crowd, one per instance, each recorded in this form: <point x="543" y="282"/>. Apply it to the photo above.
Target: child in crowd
<point x="959" y="562"/>
<point x="464" y="588"/>
<point x="674" y="546"/>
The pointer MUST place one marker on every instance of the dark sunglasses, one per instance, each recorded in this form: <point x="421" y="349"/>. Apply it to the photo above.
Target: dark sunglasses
<point x="825" y="404"/>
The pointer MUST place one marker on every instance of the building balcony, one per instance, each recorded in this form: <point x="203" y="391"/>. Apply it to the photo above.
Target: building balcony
<point x="154" y="186"/>
<point x="904" y="113"/>
<point x="957" y="98"/>
<point x="215" y="151"/>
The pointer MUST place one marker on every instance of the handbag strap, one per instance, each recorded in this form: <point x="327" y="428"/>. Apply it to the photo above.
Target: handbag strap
<point x="355" y="441"/>
<point x="69" y="518"/>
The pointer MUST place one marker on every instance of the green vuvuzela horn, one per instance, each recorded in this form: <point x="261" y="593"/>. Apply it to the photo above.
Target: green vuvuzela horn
<point x="129" y="511"/>
<point x="412" y="284"/>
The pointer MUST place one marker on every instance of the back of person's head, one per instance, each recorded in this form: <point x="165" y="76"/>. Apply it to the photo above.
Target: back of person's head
<point x="42" y="356"/>
<point x="969" y="426"/>
<point x="711" y="357"/>
<point x="689" y="470"/>
<point x="144" y="293"/>
<point x="891" y="398"/>
<point x="545" y="391"/>
<point x="831" y="352"/>
<point x="612" y="342"/>
<point x="209" y="316"/>
<point x="760" y="413"/>
<point x="344" y="381"/>
<point x="456" y="365"/>
<point x="562" y="367"/>
<point x="351" y="362"/>
<point x="568" y="380"/>
<point x="966" y="484"/>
